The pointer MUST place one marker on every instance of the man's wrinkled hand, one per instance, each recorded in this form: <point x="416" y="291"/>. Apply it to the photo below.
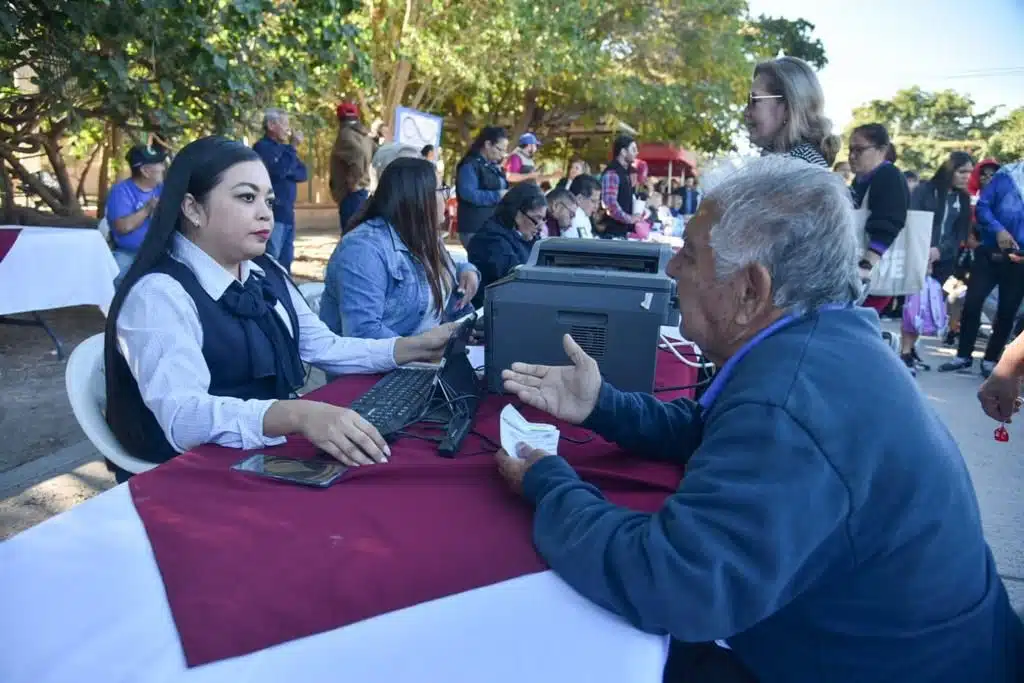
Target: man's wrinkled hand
<point x="513" y="469"/>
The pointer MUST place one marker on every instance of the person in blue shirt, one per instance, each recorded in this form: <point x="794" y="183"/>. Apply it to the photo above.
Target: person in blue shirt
<point x="391" y="276"/>
<point x="997" y="263"/>
<point x="277" y="149"/>
<point x="826" y="527"/>
<point x="131" y="202"/>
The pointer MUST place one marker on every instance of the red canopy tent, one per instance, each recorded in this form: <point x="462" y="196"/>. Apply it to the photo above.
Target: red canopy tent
<point x="664" y="160"/>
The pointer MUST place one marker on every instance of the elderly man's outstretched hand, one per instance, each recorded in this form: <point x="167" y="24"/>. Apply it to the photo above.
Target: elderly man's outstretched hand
<point x="1000" y="395"/>
<point x="567" y="392"/>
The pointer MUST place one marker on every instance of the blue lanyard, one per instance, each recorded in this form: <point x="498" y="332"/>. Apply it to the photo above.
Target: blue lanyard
<point x="722" y="376"/>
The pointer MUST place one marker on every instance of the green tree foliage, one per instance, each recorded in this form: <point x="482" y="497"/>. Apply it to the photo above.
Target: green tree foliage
<point x="767" y="37"/>
<point x="141" y="66"/>
<point x="673" y="70"/>
<point x="927" y="126"/>
<point x="1008" y="144"/>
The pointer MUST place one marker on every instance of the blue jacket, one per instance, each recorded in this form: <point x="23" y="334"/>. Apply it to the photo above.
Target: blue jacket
<point x="478" y="186"/>
<point x="1001" y="205"/>
<point x="826" y="526"/>
<point x="496" y="251"/>
<point x="285" y="169"/>
<point x="374" y="287"/>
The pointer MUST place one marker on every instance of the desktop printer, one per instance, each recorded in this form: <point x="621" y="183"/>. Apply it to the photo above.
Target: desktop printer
<point x="612" y="296"/>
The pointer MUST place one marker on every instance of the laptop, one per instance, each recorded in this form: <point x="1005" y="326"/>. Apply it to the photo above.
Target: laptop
<point x="447" y="395"/>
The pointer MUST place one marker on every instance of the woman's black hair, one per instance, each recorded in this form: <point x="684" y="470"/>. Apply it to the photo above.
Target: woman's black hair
<point x="427" y="149"/>
<point x="406" y="197"/>
<point x="196" y="170"/>
<point x="491" y="134"/>
<point x="523" y="197"/>
<point x="943" y="178"/>
<point x="876" y="134"/>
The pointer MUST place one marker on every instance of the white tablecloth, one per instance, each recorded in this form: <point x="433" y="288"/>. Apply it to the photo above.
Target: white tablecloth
<point x="56" y="267"/>
<point x="81" y="599"/>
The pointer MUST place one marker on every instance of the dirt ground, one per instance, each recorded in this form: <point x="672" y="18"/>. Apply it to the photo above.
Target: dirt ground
<point x="35" y="416"/>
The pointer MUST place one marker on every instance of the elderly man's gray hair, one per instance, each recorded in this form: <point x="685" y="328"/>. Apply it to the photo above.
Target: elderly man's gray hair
<point x="273" y="116"/>
<point x="796" y="220"/>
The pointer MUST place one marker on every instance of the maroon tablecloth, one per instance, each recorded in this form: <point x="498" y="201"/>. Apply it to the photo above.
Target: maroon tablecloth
<point x="7" y="239"/>
<point x="248" y="563"/>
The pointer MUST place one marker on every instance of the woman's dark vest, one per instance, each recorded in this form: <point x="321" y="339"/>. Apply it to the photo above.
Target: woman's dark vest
<point x="489" y="177"/>
<point x="625" y="197"/>
<point x="229" y="348"/>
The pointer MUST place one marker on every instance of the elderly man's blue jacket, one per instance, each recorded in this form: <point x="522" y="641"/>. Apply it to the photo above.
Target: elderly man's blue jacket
<point x="826" y="527"/>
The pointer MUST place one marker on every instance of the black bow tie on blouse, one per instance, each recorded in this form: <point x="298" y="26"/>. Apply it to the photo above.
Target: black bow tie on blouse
<point x="254" y="304"/>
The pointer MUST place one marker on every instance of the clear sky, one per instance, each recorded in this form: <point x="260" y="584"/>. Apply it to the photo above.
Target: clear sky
<point x="876" y="47"/>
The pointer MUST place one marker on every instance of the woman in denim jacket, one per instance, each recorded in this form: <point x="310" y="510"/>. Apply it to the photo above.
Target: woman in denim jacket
<point x="390" y="276"/>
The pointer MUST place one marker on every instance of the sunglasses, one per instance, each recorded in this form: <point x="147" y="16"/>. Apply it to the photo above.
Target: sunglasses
<point x="753" y="99"/>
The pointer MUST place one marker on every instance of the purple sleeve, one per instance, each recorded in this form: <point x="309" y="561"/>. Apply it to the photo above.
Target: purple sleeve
<point x="119" y="203"/>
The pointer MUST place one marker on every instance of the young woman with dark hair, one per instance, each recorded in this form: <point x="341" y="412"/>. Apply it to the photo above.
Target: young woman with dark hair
<point x="480" y="181"/>
<point x="206" y="335"/>
<point x="880" y="184"/>
<point x="945" y="195"/>
<point x="505" y="241"/>
<point x="390" y="276"/>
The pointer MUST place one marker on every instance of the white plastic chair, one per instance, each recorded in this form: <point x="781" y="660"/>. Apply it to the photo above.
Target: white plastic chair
<point x="312" y="292"/>
<point x="87" y="392"/>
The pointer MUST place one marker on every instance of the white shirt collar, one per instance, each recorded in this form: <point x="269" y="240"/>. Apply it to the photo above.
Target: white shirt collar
<point x="211" y="275"/>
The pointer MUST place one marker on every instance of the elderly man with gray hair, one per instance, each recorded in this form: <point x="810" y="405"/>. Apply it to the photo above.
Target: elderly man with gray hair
<point x="826" y="528"/>
<point x="277" y="149"/>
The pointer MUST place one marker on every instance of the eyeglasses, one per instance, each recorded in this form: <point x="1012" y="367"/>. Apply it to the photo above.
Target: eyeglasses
<point x="445" y="192"/>
<point x="536" y="220"/>
<point x="753" y="99"/>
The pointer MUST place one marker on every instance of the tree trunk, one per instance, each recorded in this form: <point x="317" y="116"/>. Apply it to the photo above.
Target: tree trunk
<point x="60" y="169"/>
<point x="104" y="184"/>
<point x="33" y="182"/>
<point x="529" y="112"/>
<point x="8" y="195"/>
<point x="80" y="188"/>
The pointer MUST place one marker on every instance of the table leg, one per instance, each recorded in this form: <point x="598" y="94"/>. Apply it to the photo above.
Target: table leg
<point x="37" y="321"/>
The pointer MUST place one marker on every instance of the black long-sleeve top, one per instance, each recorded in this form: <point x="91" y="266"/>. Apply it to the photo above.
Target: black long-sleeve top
<point x="888" y="201"/>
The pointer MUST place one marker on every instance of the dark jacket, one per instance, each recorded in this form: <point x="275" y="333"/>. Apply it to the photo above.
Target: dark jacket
<point x="888" y="201"/>
<point x="232" y="349"/>
<point x="478" y="186"/>
<point x="930" y="197"/>
<point x="625" y="200"/>
<point x="496" y="251"/>
<point x="826" y="526"/>
<point x="285" y="169"/>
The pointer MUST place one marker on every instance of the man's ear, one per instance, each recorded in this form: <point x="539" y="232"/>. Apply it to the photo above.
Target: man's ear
<point x="755" y="293"/>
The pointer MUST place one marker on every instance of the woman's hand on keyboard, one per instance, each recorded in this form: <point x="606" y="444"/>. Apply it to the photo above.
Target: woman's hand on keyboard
<point x="343" y="434"/>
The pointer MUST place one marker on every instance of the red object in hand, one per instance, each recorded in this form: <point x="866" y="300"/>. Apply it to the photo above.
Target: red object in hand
<point x="1001" y="434"/>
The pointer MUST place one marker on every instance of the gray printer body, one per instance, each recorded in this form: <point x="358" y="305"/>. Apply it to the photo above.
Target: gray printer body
<point x="612" y="296"/>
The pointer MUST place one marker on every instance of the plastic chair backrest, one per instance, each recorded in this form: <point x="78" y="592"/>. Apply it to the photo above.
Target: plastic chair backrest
<point x="87" y="393"/>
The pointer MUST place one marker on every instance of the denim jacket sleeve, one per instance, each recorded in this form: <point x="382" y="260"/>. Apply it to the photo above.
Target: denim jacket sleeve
<point x="364" y="270"/>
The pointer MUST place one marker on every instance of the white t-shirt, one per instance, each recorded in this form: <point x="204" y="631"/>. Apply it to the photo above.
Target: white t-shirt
<point x="580" y="226"/>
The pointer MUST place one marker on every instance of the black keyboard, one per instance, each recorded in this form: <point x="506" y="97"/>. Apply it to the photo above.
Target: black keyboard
<point x="396" y="400"/>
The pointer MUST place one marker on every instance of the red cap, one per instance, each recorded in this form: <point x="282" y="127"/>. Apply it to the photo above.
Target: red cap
<point x="347" y="110"/>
